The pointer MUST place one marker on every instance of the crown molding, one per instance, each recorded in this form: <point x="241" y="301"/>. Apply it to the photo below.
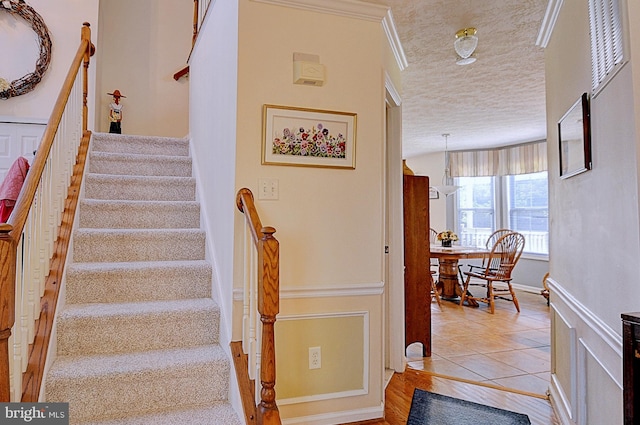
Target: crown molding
<point x="353" y="9"/>
<point x="389" y="26"/>
<point x="349" y="8"/>
<point x="548" y="22"/>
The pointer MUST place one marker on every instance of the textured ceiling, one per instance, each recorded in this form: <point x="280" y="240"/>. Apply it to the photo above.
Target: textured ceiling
<point x="495" y="101"/>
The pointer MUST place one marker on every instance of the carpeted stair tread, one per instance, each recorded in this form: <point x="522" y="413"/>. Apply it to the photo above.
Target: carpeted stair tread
<point x="137" y="337"/>
<point x="130" y="214"/>
<point x="117" y="327"/>
<point x="120" y="245"/>
<point x="140" y="165"/>
<point x="220" y="413"/>
<point x="138" y="281"/>
<point x="153" y="361"/>
<point x="121" y="143"/>
<point x="156" y="188"/>
<point x="112" y="386"/>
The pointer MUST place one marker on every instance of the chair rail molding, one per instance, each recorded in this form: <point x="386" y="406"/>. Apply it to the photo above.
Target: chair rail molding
<point x="355" y="290"/>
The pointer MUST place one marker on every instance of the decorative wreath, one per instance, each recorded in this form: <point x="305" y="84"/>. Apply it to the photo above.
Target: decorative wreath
<point x="28" y="82"/>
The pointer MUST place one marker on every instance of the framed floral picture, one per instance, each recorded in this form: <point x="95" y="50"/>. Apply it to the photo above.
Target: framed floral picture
<point x="308" y="137"/>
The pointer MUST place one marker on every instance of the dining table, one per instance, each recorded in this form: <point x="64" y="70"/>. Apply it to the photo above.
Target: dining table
<point x="448" y="258"/>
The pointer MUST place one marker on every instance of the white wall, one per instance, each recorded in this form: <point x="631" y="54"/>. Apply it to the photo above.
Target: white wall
<point x="329" y="222"/>
<point x="213" y="136"/>
<point x="142" y="44"/>
<point x="432" y="165"/>
<point x="592" y="281"/>
<point x="64" y="19"/>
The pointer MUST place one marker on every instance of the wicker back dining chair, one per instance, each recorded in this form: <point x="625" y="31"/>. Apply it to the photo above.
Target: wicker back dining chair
<point x="504" y="255"/>
<point x="491" y="240"/>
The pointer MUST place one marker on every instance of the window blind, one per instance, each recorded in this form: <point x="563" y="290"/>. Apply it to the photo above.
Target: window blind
<point x="606" y="39"/>
<point x="511" y="160"/>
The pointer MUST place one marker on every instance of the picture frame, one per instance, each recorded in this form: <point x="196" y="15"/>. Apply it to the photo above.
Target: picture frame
<point x="433" y="193"/>
<point x="308" y="137"/>
<point x="574" y="135"/>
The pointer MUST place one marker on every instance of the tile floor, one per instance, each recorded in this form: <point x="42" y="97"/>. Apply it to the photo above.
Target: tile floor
<point x="508" y="348"/>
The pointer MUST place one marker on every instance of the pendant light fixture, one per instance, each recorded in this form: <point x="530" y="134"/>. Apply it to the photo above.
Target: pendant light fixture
<point x="446" y="188"/>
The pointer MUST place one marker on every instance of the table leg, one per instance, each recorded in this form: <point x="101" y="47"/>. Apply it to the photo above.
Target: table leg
<point x="451" y="286"/>
<point x="448" y="277"/>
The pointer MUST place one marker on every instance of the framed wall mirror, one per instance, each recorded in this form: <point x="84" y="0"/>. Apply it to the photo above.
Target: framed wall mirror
<point x="574" y="134"/>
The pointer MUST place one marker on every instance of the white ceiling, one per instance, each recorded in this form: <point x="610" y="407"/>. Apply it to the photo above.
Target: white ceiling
<point x="495" y="101"/>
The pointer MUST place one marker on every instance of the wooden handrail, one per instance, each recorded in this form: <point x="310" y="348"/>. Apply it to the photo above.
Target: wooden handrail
<point x="268" y="304"/>
<point x="11" y="232"/>
<point x="196" y="25"/>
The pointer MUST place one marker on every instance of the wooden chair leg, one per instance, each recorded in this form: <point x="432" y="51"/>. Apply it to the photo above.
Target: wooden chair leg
<point x="465" y="288"/>
<point x="492" y="301"/>
<point x="513" y="297"/>
<point x="434" y="291"/>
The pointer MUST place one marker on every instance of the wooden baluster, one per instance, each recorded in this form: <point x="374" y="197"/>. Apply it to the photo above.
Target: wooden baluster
<point x="268" y="306"/>
<point x="7" y="305"/>
<point x="86" y="35"/>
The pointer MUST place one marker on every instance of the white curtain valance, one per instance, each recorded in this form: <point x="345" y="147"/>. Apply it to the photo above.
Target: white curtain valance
<point x="519" y="159"/>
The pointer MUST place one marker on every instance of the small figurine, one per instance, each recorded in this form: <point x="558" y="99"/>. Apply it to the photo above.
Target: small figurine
<point x="115" y="112"/>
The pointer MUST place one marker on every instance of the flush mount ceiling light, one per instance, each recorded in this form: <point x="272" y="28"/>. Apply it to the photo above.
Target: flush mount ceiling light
<point x="465" y="44"/>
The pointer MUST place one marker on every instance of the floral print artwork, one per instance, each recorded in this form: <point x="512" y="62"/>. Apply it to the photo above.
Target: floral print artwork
<point x="308" y="137"/>
<point x="314" y="140"/>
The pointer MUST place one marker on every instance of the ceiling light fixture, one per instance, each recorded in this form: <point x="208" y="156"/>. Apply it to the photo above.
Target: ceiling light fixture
<point x="446" y="189"/>
<point x="465" y="44"/>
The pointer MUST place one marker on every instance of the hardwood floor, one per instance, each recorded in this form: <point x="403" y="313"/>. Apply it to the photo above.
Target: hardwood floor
<point x="501" y="360"/>
<point x="400" y="391"/>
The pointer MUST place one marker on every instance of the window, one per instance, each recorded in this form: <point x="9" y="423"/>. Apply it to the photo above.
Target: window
<point x="527" y="209"/>
<point x="517" y="202"/>
<point x="476" y="209"/>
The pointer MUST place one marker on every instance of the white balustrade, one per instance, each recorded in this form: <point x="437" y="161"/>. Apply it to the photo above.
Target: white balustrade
<point x="36" y="245"/>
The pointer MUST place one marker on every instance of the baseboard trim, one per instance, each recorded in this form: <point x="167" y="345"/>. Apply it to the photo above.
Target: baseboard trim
<point x="338" y="417"/>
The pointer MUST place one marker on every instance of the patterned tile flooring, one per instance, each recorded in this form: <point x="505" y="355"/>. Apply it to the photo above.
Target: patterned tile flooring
<point x="507" y="349"/>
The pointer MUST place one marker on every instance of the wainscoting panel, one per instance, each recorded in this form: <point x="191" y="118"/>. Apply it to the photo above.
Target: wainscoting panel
<point x="343" y="340"/>
<point x="586" y="357"/>
<point x="594" y="408"/>
<point x="346" y="321"/>
<point x="563" y="364"/>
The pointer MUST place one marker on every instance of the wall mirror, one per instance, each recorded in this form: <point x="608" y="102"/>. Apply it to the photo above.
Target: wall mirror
<point x="574" y="133"/>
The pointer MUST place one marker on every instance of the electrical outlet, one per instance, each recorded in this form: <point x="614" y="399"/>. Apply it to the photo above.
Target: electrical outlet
<point x="268" y="189"/>
<point x="315" y="358"/>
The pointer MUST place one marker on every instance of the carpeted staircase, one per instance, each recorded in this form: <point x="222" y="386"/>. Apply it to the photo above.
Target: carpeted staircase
<point x="137" y="339"/>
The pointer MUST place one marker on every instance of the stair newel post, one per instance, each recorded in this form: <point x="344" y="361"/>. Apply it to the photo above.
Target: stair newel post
<point x="86" y="35"/>
<point x="7" y="305"/>
<point x="268" y="307"/>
